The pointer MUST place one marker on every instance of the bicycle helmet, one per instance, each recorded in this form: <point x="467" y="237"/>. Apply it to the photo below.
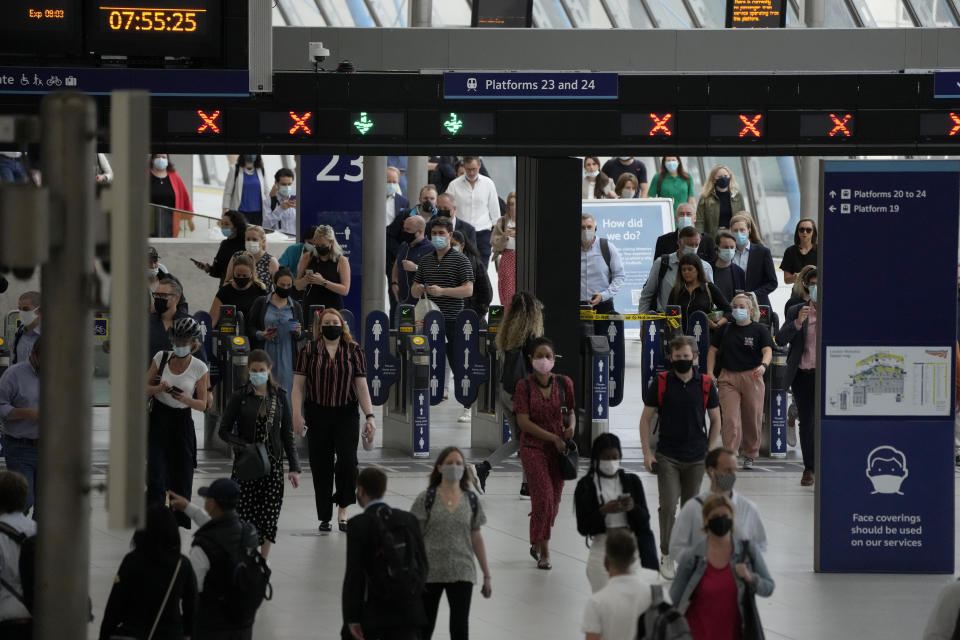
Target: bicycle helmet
<point x="184" y="328"/>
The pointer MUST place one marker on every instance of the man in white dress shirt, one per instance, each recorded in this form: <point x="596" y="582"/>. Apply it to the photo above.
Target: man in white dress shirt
<point x="477" y="202"/>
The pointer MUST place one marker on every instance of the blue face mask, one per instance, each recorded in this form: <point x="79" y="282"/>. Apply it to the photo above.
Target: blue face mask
<point x="814" y="290"/>
<point x="285" y="190"/>
<point x="227" y="232"/>
<point x="671" y="165"/>
<point x="741" y="238"/>
<point x="726" y="254"/>
<point x="684" y="221"/>
<point x="439" y="242"/>
<point x="182" y="352"/>
<point x="740" y="315"/>
<point x="259" y="378"/>
<point x="592" y="174"/>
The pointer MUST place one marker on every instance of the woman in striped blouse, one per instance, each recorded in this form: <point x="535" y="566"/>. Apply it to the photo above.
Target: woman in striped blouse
<point x="329" y="382"/>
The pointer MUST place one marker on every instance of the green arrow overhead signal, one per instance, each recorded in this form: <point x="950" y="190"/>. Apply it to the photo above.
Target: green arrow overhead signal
<point x="453" y="125"/>
<point x="364" y="124"/>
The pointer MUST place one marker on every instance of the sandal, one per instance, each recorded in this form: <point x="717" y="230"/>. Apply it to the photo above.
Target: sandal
<point x="343" y="525"/>
<point x="325" y="527"/>
<point x="544" y="564"/>
<point x="534" y="553"/>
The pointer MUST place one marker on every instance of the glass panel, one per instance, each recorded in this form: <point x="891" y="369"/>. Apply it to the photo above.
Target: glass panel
<point x="793" y="20"/>
<point x="630" y="14"/>
<point x="671" y="14"/>
<point x="934" y="13"/>
<point x="712" y="14"/>
<point x="278" y="20"/>
<point x="304" y="13"/>
<point x="451" y="13"/>
<point x="836" y="16"/>
<point x="549" y="14"/>
<point x="588" y="14"/>
<point x="883" y="13"/>
<point x="339" y="12"/>
<point x="777" y="193"/>
<point x="390" y="13"/>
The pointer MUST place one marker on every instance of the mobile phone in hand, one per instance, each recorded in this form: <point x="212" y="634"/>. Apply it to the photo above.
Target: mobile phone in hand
<point x="176" y="390"/>
<point x="655" y="468"/>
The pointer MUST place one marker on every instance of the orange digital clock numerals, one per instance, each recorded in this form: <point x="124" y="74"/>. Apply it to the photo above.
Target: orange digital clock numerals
<point x="148" y="19"/>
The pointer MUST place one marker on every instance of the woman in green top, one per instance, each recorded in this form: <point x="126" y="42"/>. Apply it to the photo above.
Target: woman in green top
<point x="672" y="182"/>
<point x="450" y="516"/>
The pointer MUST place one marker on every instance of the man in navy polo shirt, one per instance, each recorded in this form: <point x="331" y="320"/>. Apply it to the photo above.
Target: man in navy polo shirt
<point x="682" y="396"/>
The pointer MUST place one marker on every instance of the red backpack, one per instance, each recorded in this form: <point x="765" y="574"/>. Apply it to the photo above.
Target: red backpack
<point x="706" y="381"/>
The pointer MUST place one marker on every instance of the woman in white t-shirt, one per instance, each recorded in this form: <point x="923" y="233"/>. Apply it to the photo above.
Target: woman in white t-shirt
<point x="177" y="382"/>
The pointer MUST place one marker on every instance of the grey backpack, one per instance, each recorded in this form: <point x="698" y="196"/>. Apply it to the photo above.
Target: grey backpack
<point x="661" y="621"/>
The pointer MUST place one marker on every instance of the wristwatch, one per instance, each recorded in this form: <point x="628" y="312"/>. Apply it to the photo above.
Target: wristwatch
<point x="370" y="415"/>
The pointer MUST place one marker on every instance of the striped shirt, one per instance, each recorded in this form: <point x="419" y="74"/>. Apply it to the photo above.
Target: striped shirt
<point x="330" y="380"/>
<point x="453" y="271"/>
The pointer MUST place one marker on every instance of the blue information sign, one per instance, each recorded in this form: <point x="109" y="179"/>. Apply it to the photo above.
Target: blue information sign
<point x="946" y="84"/>
<point x="651" y="359"/>
<point x="700" y="330"/>
<point x="778" y="424"/>
<point x="885" y="485"/>
<point x="159" y="82"/>
<point x="332" y="194"/>
<point x="506" y="85"/>
<point x="421" y="423"/>
<point x="601" y="378"/>
<point x="436" y="345"/>
<point x="469" y="365"/>
<point x="613" y="330"/>
<point x="382" y="367"/>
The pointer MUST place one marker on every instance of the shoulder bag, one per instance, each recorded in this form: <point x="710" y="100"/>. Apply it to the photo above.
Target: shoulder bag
<point x="163" y="605"/>
<point x="163" y="365"/>
<point x="752" y="626"/>
<point x="253" y="460"/>
<point x="570" y="458"/>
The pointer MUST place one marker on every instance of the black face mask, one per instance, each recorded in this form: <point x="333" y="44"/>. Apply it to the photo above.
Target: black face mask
<point x="445" y="213"/>
<point x="241" y="282"/>
<point x="408" y="237"/>
<point x="283" y="293"/>
<point x="331" y="331"/>
<point x="323" y="251"/>
<point x="682" y="366"/>
<point x="427" y="206"/>
<point x="720" y="525"/>
<point x="161" y="305"/>
<point x="249" y="159"/>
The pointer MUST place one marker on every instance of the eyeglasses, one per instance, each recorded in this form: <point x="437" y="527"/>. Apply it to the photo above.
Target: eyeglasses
<point x="165" y="296"/>
<point x="805" y="230"/>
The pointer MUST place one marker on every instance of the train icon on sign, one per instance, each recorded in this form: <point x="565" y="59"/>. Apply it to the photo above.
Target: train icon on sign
<point x="471" y="84"/>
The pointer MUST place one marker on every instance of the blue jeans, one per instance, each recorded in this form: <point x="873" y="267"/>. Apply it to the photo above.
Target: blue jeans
<point x="11" y="170"/>
<point x="22" y="457"/>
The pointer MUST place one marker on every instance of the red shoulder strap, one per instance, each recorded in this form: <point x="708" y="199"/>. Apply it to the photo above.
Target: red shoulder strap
<point x="707" y="382"/>
<point x="661" y="386"/>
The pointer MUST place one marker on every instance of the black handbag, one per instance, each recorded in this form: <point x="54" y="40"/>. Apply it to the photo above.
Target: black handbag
<point x="570" y="461"/>
<point x="752" y="626"/>
<point x="163" y="365"/>
<point x="253" y="460"/>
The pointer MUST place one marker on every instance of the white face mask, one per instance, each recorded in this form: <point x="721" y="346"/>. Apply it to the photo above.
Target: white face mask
<point x="27" y="317"/>
<point x="452" y="472"/>
<point x="627" y="194"/>
<point x="608" y="467"/>
<point x="587" y="235"/>
<point x="253" y="246"/>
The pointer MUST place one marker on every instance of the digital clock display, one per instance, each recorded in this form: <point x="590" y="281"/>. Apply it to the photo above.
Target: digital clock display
<point x="162" y="28"/>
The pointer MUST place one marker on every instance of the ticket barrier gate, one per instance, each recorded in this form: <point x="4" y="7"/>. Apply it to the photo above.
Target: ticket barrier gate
<point x="476" y="377"/>
<point x="773" y="438"/>
<point x="231" y="350"/>
<point x="399" y="377"/>
<point x="312" y="331"/>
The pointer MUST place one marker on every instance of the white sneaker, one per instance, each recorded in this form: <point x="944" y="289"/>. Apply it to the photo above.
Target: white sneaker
<point x="668" y="567"/>
<point x="474" y="478"/>
<point x="465" y="415"/>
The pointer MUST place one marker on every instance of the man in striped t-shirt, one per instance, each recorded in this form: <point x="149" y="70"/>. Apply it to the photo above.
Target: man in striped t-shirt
<point x="445" y="275"/>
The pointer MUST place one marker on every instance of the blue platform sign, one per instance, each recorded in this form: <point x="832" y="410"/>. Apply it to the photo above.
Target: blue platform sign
<point x="700" y="330"/>
<point x="946" y="84"/>
<point x="332" y="194"/>
<point x="102" y="81"/>
<point x="469" y="365"/>
<point x="383" y="368"/>
<point x="651" y="358"/>
<point x="778" y="423"/>
<point x="436" y="346"/>
<point x="885" y="470"/>
<point x="506" y="85"/>
<point x="613" y="330"/>
<point x="599" y="384"/>
<point x="421" y="423"/>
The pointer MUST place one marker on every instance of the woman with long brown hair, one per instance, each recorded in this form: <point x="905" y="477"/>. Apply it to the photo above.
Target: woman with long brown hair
<point x="450" y="518"/>
<point x="330" y="383"/>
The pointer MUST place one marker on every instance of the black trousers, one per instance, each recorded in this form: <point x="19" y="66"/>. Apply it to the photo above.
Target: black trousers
<point x="16" y="630"/>
<point x="171" y="455"/>
<point x="233" y="634"/>
<point x="332" y="439"/>
<point x="458" y="596"/>
<point x="804" y="390"/>
<point x="253" y="217"/>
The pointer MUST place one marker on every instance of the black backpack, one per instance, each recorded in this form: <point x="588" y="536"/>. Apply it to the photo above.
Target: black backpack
<point x="661" y="621"/>
<point x="248" y="577"/>
<point x="399" y="569"/>
<point x="28" y="551"/>
<point x="514" y="370"/>
<point x="431" y="497"/>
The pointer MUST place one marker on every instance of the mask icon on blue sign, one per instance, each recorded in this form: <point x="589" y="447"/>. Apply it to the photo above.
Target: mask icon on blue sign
<point x="887" y="469"/>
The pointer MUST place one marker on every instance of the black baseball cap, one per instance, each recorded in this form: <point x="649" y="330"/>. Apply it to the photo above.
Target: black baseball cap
<point x="221" y="490"/>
